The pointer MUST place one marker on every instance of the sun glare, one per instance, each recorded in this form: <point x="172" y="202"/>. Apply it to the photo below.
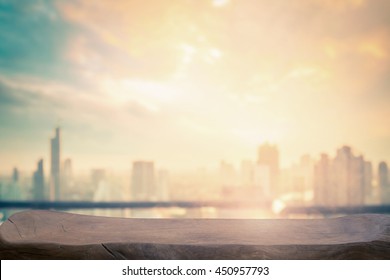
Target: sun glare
<point x="220" y="3"/>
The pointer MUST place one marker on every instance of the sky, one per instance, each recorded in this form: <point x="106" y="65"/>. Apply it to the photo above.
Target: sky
<point x="188" y="83"/>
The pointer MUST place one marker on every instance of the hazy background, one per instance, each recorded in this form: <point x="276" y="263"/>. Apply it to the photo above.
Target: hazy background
<point x="188" y="83"/>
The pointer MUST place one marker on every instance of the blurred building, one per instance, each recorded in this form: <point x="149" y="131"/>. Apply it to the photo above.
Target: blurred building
<point x="323" y="188"/>
<point x="162" y="185"/>
<point x="369" y="196"/>
<point x="143" y="183"/>
<point x="228" y="176"/>
<point x="102" y="190"/>
<point x="67" y="169"/>
<point x="247" y="170"/>
<point x="98" y="176"/>
<point x="383" y="182"/>
<point x="66" y="179"/>
<point x="342" y="181"/>
<point x="55" y="156"/>
<point x="298" y="182"/>
<point x="251" y="183"/>
<point x="383" y="175"/>
<point x="39" y="182"/>
<point x="348" y="178"/>
<point x="10" y="187"/>
<point x="15" y="175"/>
<point x="268" y="158"/>
<point x="262" y="182"/>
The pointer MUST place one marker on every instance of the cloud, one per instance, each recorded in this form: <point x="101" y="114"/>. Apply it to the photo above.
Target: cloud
<point x="281" y="69"/>
<point x="181" y="40"/>
<point x="32" y="38"/>
<point x="341" y="5"/>
<point x="376" y="47"/>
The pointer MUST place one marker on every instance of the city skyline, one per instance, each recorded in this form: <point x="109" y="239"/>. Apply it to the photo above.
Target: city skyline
<point x="268" y="154"/>
<point x="345" y="179"/>
<point x="189" y="83"/>
<point x="56" y="164"/>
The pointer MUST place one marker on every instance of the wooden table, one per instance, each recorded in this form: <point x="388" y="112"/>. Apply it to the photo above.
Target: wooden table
<point x="58" y="235"/>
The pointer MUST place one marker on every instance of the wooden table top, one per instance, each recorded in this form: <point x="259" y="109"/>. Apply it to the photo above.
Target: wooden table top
<point x="59" y="235"/>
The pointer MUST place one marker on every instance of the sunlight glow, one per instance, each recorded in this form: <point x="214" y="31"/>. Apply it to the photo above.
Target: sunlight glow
<point x="219" y="77"/>
<point x="278" y="206"/>
<point x="215" y="53"/>
<point x="220" y="3"/>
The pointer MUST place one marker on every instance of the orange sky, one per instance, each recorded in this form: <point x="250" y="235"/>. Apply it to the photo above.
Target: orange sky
<point x="188" y="83"/>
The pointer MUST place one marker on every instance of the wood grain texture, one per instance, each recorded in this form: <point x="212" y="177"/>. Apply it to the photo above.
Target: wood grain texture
<point x="57" y="235"/>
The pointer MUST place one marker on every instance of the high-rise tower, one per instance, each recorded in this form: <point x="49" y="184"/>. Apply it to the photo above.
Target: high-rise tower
<point x="15" y="175"/>
<point x="39" y="182"/>
<point x="55" y="166"/>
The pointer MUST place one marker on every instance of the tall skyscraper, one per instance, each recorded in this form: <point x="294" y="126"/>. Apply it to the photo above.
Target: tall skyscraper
<point x="39" y="182"/>
<point x="341" y="181"/>
<point x="348" y="178"/>
<point x="143" y="181"/>
<point x="15" y="175"/>
<point x="268" y="156"/>
<point x="55" y="166"/>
